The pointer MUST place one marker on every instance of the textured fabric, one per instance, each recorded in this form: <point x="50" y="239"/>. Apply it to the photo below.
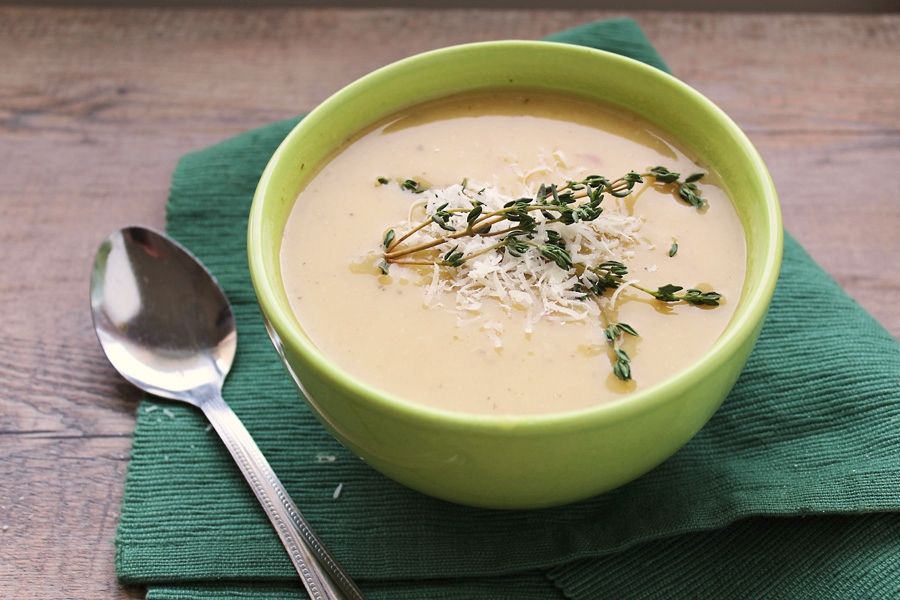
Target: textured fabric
<point x="810" y="431"/>
<point x="812" y="557"/>
<point x="522" y="586"/>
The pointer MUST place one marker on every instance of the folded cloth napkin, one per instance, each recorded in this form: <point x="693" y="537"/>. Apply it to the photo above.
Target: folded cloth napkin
<point x="792" y="489"/>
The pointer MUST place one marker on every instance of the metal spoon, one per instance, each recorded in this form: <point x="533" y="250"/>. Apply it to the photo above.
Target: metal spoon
<point x="167" y="327"/>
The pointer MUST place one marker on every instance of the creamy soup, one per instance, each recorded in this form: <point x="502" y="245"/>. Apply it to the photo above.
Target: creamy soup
<point x="492" y="336"/>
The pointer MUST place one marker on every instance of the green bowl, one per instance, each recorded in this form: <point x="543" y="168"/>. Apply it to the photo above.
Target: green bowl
<point x="517" y="461"/>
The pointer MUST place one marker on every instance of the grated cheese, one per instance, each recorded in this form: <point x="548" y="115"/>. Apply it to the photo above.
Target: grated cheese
<point x="619" y="290"/>
<point x="527" y="283"/>
<point x="494" y="330"/>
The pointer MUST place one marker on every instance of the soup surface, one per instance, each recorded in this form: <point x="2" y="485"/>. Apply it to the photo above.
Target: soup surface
<point x="409" y="333"/>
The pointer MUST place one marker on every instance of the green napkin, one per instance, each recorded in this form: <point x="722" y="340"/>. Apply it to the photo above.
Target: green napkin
<point x="810" y="432"/>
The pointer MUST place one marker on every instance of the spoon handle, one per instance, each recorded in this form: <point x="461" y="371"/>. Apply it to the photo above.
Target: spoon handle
<point x="306" y="551"/>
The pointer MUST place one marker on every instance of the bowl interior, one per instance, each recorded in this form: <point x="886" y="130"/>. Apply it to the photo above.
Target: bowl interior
<point x="698" y="125"/>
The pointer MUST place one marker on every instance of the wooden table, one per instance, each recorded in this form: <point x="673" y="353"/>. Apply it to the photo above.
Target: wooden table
<point x="97" y="106"/>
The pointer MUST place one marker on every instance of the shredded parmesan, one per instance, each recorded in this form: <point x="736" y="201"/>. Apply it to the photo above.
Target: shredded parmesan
<point x="494" y="330"/>
<point x="529" y="282"/>
<point x="619" y="290"/>
<point x="435" y="286"/>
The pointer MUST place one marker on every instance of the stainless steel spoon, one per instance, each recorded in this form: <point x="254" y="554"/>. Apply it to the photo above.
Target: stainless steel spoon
<point x="167" y="327"/>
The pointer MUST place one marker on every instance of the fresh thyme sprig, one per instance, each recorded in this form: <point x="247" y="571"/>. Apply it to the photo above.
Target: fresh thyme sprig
<point x="614" y="332"/>
<point x="667" y="293"/>
<point x="554" y="203"/>
<point x="611" y="274"/>
<point x="518" y="220"/>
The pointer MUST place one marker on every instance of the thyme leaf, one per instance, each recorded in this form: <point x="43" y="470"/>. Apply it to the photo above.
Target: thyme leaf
<point x="686" y="189"/>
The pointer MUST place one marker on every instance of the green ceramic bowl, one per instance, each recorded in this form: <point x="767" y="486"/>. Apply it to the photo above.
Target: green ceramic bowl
<point x="517" y="461"/>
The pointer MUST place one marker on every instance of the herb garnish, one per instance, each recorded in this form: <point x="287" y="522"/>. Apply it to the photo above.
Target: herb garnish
<point x="413" y="186"/>
<point x="614" y="333"/>
<point x="516" y="227"/>
<point x="388" y="238"/>
<point x="686" y="189"/>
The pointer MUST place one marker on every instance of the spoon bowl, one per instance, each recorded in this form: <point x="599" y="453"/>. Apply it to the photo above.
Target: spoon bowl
<point x="168" y="338"/>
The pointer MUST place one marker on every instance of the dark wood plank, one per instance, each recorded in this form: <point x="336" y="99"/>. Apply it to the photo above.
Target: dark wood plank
<point x="96" y="107"/>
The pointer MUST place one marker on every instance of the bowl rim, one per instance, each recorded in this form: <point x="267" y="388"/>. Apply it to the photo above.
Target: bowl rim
<point x="737" y="332"/>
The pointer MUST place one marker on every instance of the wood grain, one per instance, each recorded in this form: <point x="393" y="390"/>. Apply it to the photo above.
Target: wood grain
<point x="96" y="107"/>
